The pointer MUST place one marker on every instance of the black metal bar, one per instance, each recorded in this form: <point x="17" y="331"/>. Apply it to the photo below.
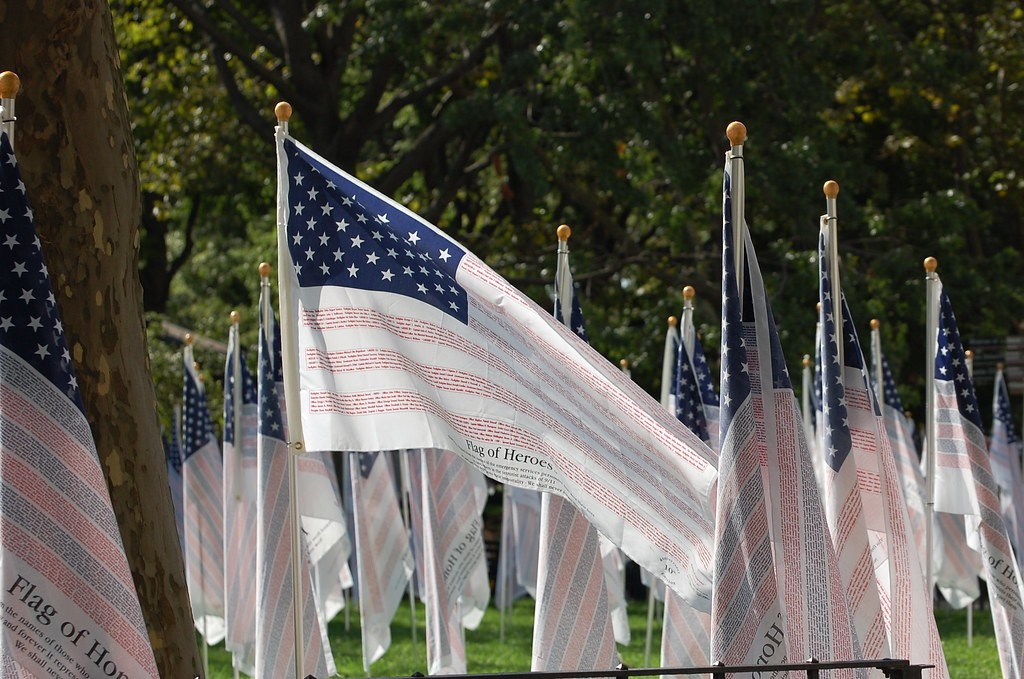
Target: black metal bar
<point x="894" y="669"/>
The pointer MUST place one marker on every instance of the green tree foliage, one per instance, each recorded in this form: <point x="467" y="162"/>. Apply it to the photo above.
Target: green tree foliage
<point x="500" y="120"/>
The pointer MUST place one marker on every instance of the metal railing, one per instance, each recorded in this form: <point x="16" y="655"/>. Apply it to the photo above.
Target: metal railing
<point x="813" y="669"/>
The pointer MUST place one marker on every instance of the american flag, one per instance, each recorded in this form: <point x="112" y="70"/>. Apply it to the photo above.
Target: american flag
<point x="240" y="508"/>
<point x="573" y="617"/>
<point x="521" y="536"/>
<point x="964" y="484"/>
<point x="853" y="481"/>
<point x="385" y="561"/>
<point x="202" y="479"/>
<point x="408" y="341"/>
<point x="275" y="631"/>
<point x="865" y="494"/>
<point x="62" y="560"/>
<point x="1004" y="451"/>
<point x="172" y="455"/>
<point x="956" y="567"/>
<point x="685" y="632"/>
<point x="696" y="398"/>
<point x="777" y="586"/>
<point x="445" y="514"/>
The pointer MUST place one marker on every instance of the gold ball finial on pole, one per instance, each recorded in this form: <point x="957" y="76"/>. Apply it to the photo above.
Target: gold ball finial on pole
<point x="1000" y="366"/>
<point x="623" y="363"/>
<point x="563" y="232"/>
<point x="817" y="307"/>
<point x="689" y="292"/>
<point x="931" y="264"/>
<point x="673" y="321"/>
<point x="736" y="132"/>
<point x="283" y="111"/>
<point x="831" y="189"/>
<point x="264" y="269"/>
<point x="10" y="83"/>
<point x="807" y="361"/>
<point x="188" y="339"/>
<point x="235" y="317"/>
<point x="968" y="354"/>
<point x="875" y="324"/>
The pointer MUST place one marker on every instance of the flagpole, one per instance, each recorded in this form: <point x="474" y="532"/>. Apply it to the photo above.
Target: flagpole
<point x="737" y="134"/>
<point x="506" y="521"/>
<point x="931" y="337"/>
<point x="687" y="335"/>
<point x="876" y="354"/>
<point x="831" y="190"/>
<point x="805" y="397"/>
<point x="188" y="358"/>
<point x="290" y="369"/>
<point x="236" y="416"/>
<point x="403" y="474"/>
<point x="969" y="364"/>
<point x="10" y="83"/>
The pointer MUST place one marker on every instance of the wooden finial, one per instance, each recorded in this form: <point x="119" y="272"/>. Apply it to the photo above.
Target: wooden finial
<point x="807" y="361"/>
<point x="624" y="363"/>
<point x="188" y="339"/>
<point x="689" y="293"/>
<point x="673" y="321"/>
<point x="283" y="111"/>
<point x="10" y="83"/>
<point x="931" y="264"/>
<point x="264" y="269"/>
<point x="817" y="307"/>
<point x="235" y="317"/>
<point x="831" y="189"/>
<point x="968" y="354"/>
<point x="875" y="324"/>
<point x="563" y="232"/>
<point x="195" y="366"/>
<point x="1000" y="366"/>
<point x="736" y="132"/>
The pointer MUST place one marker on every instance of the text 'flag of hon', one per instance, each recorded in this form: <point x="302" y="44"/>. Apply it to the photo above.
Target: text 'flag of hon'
<point x="68" y="599"/>
<point x="964" y="485"/>
<point x="406" y="340"/>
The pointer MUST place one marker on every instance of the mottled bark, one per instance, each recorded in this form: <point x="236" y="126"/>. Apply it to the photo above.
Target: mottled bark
<point x="74" y="145"/>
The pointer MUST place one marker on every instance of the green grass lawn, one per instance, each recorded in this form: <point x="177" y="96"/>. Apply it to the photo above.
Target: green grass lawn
<point x="487" y="653"/>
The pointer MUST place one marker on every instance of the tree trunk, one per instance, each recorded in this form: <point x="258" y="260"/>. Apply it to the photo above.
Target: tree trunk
<point x="76" y="153"/>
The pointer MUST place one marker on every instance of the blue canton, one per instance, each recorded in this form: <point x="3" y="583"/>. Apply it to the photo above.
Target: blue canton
<point x="575" y="318"/>
<point x="270" y="422"/>
<point x="950" y="365"/>
<point x="1003" y="412"/>
<point x="836" y="425"/>
<point x="248" y="393"/>
<point x="342" y="234"/>
<point x="686" y="384"/>
<point x="366" y="462"/>
<point x="197" y="428"/>
<point x="30" y="323"/>
<point x="735" y="378"/>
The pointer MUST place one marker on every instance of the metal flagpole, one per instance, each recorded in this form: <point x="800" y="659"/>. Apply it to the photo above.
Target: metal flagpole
<point x="290" y="368"/>
<point x="506" y="521"/>
<point x="876" y="352"/>
<point x="10" y="83"/>
<point x="831" y="190"/>
<point x="236" y="416"/>
<point x="737" y="134"/>
<point x="931" y="338"/>
<point x="969" y="364"/>
<point x="403" y="473"/>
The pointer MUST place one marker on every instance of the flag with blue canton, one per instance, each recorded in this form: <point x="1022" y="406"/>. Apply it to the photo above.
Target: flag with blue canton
<point x="955" y="565"/>
<point x="864" y="503"/>
<point x="1004" y="452"/>
<point x="60" y="546"/>
<point x="776" y="578"/>
<point x="275" y="630"/>
<point x="435" y="350"/>
<point x="964" y="484"/>
<point x="579" y="616"/>
<point x="340" y="234"/>
<point x="696" y="403"/>
<point x="384" y="558"/>
<point x="240" y="507"/>
<point x="202" y="480"/>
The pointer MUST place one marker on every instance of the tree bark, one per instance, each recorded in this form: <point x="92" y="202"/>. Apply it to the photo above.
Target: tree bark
<point x="74" y="144"/>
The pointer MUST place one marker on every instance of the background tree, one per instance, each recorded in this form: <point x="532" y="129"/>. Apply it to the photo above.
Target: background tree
<point x="77" y="158"/>
<point x="500" y="120"/>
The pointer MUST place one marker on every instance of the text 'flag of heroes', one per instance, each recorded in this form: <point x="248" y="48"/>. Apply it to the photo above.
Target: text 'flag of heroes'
<point x="406" y="340"/>
<point x="68" y="599"/>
